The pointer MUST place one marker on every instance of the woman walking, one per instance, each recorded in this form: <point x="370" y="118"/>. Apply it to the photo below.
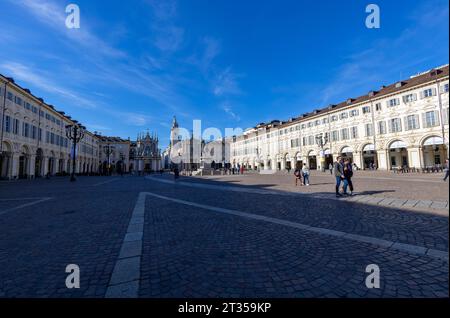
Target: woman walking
<point x="348" y="174"/>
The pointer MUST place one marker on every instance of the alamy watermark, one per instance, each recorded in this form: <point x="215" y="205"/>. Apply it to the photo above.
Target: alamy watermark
<point x="373" y="19"/>
<point x="73" y="16"/>
<point x="73" y="279"/>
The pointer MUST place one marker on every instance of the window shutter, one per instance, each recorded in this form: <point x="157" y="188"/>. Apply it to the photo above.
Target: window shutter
<point x="398" y="101"/>
<point x="405" y="120"/>
<point x="437" y="116"/>
<point x="414" y="97"/>
<point x="434" y="91"/>
<point x="390" y="125"/>
<point x="387" y="103"/>
<point x="417" y="121"/>
<point x="421" y="94"/>
<point x="424" y="120"/>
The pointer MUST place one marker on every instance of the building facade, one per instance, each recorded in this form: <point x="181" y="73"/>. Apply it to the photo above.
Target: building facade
<point x="114" y="155"/>
<point x="33" y="140"/>
<point x="405" y="124"/>
<point x="145" y="155"/>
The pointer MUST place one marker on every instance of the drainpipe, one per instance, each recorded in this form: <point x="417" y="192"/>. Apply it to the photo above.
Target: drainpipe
<point x="374" y="133"/>
<point x="3" y="118"/>
<point x="441" y="114"/>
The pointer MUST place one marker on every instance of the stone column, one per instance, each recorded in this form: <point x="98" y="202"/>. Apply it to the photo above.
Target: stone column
<point x="31" y="166"/>
<point x="14" y="166"/>
<point x="45" y="166"/>
<point x="357" y="159"/>
<point x="414" y="157"/>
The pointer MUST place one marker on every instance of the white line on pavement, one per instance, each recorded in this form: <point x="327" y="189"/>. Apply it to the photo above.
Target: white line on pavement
<point x="20" y="199"/>
<point x="24" y="205"/>
<point x="125" y="278"/>
<point x="104" y="182"/>
<point x="408" y="248"/>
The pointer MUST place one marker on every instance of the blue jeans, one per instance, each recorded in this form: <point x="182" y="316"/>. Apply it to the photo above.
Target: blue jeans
<point x="338" y="184"/>
<point x="306" y="179"/>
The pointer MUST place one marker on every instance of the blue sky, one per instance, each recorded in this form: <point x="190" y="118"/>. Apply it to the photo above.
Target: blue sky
<point x="131" y="67"/>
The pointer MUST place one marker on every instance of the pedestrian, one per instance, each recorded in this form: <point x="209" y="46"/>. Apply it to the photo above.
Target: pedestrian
<point x="298" y="176"/>
<point x="338" y="169"/>
<point x="348" y="174"/>
<point x="305" y="172"/>
<point x="446" y="169"/>
<point x="330" y="167"/>
<point x="242" y="169"/>
<point x="176" y="173"/>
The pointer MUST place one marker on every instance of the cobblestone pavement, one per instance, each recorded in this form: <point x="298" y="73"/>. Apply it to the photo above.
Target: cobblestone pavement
<point x="410" y="190"/>
<point x="153" y="237"/>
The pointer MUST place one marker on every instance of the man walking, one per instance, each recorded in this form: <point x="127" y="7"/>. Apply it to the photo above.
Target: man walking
<point x="305" y="172"/>
<point x="338" y="168"/>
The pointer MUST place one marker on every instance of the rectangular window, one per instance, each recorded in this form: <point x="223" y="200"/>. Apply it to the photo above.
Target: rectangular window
<point x="395" y="125"/>
<point x="325" y="120"/>
<point x="334" y="118"/>
<point x="354" y="132"/>
<point x="354" y="113"/>
<point x="47" y="137"/>
<point x="305" y="141"/>
<point x="25" y="129"/>
<point x="7" y="124"/>
<point x="33" y="132"/>
<point x="369" y="130"/>
<point x="412" y="122"/>
<point x="18" y="101"/>
<point x="444" y="88"/>
<point x="382" y="127"/>
<point x="10" y="96"/>
<point x="16" y="126"/>
<point x="343" y="115"/>
<point x="335" y="135"/>
<point x="431" y="119"/>
<point x="378" y="107"/>
<point x="429" y="92"/>
<point x="409" y="98"/>
<point x="366" y="109"/>
<point x="40" y="134"/>
<point x="344" y="134"/>
<point x="393" y="102"/>
<point x="311" y="140"/>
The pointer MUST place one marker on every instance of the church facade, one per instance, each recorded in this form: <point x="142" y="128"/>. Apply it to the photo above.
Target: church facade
<point x="145" y="156"/>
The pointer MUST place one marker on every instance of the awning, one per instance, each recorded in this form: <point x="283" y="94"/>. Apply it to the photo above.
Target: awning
<point x="369" y="147"/>
<point x="398" y="144"/>
<point x="433" y="141"/>
<point x="327" y="152"/>
<point x="312" y="153"/>
<point x="347" y="150"/>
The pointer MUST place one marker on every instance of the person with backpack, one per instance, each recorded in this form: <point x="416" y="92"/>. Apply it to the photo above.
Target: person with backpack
<point x="348" y="174"/>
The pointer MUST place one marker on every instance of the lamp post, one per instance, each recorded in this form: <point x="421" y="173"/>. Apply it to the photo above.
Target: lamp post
<point x="322" y="141"/>
<point x="74" y="133"/>
<point x="108" y="150"/>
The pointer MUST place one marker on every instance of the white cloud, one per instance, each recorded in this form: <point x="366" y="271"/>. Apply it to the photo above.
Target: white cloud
<point x="27" y="75"/>
<point x="226" y="83"/>
<point x="228" y="110"/>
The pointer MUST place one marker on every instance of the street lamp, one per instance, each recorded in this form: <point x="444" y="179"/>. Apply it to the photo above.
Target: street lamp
<point x="74" y="133"/>
<point x="322" y="141"/>
<point x="108" y="150"/>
